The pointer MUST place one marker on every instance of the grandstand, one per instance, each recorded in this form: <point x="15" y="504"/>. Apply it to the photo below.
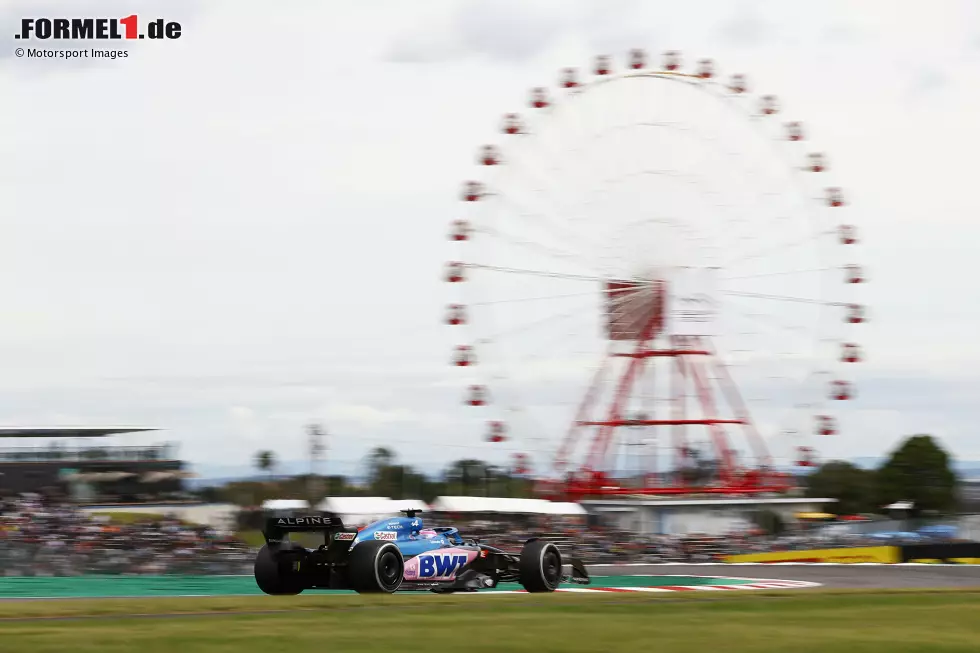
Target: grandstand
<point x="84" y="464"/>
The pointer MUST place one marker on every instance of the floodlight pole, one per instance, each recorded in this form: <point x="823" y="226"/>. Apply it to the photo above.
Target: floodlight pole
<point x="316" y="439"/>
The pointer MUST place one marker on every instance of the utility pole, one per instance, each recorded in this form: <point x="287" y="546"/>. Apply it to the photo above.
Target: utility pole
<point x="317" y="443"/>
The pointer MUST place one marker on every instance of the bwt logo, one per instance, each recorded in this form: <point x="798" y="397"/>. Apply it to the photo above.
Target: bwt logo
<point x="80" y="29"/>
<point x="440" y="566"/>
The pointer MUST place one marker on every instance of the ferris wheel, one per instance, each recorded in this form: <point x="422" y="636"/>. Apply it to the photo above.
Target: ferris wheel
<point x="654" y="278"/>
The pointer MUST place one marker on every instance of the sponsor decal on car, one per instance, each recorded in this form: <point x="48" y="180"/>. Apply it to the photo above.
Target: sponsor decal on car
<point x="385" y="535"/>
<point x="305" y="521"/>
<point x="426" y="566"/>
<point x="440" y="566"/>
<point x="344" y="537"/>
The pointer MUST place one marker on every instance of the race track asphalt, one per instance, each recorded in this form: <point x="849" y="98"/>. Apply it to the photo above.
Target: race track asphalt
<point x="850" y="576"/>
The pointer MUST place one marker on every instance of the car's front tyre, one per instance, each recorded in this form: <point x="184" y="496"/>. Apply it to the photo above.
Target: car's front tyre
<point x="540" y="567"/>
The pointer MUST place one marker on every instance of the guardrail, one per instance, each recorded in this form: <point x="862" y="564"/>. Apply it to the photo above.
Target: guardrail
<point x="946" y="553"/>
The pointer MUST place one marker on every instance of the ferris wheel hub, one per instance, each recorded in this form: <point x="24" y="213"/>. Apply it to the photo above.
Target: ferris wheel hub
<point x="652" y="248"/>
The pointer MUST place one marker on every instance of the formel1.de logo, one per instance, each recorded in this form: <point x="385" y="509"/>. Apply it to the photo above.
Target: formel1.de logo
<point x="83" y="29"/>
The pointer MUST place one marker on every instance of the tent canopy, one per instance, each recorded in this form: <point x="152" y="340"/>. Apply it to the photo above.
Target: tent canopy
<point x="363" y="510"/>
<point x="351" y="505"/>
<point x="565" y="508"/>
<point x="285" y="504"/>
<point x="900" y="505"/>
<point x="505" y="506"/>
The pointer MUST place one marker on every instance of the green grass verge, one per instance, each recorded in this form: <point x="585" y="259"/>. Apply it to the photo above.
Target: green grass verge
<point x="806" y="621"/>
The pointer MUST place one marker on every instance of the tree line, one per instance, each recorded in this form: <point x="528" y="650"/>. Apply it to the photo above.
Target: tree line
<point x="918" y="471"/>
<point x="385" y="476"/>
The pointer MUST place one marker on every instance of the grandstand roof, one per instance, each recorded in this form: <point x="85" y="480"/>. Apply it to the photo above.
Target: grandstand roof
<point x="68" y="431"/>
<point x="505" y="505"/>
<point x="285" y="504"/>
<point x="641" y="500"/>
<point x="369" y="505"/>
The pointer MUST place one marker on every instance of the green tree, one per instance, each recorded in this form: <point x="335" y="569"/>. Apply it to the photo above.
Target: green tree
<point x="854" y="488"/>
<point x="920" y="471"/>
<point x="769" y="522"/>
<point x="379" y="460"/>
<point x="265" y="461"/>
<point x="466" y="477"/>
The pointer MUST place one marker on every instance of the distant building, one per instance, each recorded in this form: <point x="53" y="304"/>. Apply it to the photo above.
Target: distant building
<point x="710" y="516"/>
<point x="970" y="495"/>
<point x="82" y="463"/>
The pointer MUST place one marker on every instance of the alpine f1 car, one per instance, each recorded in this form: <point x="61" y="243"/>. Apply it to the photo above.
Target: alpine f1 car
<point x="401" y="554"/>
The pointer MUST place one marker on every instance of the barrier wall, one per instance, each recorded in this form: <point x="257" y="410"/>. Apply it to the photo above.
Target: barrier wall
<point x="952" y="553"/>
<point x="881" y="554"/>
<point x="967" y="553"/>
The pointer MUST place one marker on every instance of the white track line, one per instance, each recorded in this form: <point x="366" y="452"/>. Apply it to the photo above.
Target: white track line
<point x="759" y="584"/>
<point x="783" y="564"/>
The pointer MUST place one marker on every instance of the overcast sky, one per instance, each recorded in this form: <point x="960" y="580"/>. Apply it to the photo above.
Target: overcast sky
<point x="237" y="232"/>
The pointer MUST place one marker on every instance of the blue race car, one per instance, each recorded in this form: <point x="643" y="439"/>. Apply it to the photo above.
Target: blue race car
<point x="399" y="553"/>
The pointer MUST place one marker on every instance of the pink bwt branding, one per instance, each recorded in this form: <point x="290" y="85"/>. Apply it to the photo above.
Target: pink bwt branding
<point x="442" y="564"/>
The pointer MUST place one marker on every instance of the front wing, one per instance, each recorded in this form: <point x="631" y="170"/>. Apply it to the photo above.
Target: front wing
<point x="492" y="567"/>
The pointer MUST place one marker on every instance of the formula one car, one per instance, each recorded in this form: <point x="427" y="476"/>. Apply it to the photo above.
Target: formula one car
<point x="400" y="554"/>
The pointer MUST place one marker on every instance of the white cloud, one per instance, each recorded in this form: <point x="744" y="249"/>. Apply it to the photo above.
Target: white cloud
<point x="234" y="233"/>
<point x="747" y="26"/>
<point x="368" y="416"/>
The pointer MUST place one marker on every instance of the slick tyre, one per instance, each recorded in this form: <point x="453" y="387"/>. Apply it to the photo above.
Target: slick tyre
<point x="540" y="567"/>
<point x="270" y="577"/>
<point x="376" y="567"/>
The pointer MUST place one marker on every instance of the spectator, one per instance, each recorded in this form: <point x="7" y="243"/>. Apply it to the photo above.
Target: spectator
<point x="42" y="537"/>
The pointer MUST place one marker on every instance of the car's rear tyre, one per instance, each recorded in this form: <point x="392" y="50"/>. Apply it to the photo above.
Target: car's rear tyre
<point x="540" y="568"/>
<point x="376" y="567"/>
<point x="270" y="576"/>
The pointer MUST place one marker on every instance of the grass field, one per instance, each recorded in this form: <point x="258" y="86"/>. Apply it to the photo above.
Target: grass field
<point x="807" y="621"/>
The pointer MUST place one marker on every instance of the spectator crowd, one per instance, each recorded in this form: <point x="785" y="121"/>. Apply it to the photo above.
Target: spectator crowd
<point x="42" y="536"/>
<point x="596" y="544"/>
<point x="49" y="537"/>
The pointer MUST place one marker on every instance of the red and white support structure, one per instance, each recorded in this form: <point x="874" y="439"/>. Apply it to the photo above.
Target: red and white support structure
<point x="628" y="189"/>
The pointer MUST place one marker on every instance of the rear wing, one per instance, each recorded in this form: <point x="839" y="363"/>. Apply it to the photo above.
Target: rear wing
<point x="277" y="529"/>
